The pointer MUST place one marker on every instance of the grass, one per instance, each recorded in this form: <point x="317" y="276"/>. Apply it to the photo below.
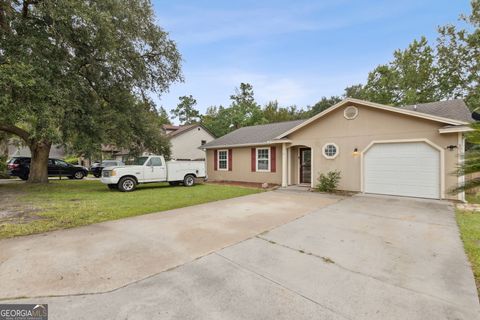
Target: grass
<point x="469" y="225"/>
<point x="67" y="204"/>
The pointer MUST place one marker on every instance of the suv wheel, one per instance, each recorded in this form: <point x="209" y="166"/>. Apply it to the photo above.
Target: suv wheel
<point x="79" y="175"/>
<point x="24" y="178"/>
<point x="189" y="180"/>
<point x="127" y="184"/>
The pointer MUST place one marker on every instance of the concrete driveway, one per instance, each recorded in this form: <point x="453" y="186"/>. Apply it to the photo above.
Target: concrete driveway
<point x="364" y="257"/>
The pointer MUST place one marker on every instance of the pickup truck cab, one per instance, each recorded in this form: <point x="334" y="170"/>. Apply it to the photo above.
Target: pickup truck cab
<point x="151" y="169"/>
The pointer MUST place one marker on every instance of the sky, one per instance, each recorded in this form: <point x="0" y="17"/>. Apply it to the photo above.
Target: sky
<point x="292" y="51"/>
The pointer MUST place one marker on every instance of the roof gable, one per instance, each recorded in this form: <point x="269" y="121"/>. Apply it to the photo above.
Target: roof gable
<point x="185" y="128"/>
<point x="376" y="106"/>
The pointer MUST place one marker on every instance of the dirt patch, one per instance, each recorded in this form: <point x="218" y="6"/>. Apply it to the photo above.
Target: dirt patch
<point x="14" y="210"/>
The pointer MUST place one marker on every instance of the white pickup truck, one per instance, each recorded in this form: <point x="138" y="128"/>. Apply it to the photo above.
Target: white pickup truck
<point x="153" y="169"/>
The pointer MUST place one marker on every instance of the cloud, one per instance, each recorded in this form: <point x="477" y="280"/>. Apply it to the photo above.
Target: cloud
<point x="214" y="87"/>
<point x="203" y="24"/>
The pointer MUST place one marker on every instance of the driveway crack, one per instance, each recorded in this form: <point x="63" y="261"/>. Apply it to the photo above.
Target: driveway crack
<point x="330" y="261"/>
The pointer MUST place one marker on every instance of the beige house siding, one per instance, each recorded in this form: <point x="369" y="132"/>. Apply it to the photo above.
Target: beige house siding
<point x="370" y="125"/>
<point x="185" y="145"/>
<point x="241" y="165"/>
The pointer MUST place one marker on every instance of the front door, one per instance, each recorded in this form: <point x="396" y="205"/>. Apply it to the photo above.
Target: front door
<point x="305" y="165"/>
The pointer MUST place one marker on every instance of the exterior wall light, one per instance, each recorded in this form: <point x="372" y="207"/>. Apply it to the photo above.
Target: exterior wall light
<point x="355" y="152"/>
<point x="451" y="147"/>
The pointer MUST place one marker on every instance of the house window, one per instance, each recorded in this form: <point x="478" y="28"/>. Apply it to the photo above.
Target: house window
<point x="222" y="159"/>
<point x="263" y="159"/>
<point x="330" y="150"/>
<point x="204" y="142"/>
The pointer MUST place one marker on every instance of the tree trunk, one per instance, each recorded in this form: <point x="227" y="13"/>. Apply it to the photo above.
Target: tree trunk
<point x="39" y="163"/>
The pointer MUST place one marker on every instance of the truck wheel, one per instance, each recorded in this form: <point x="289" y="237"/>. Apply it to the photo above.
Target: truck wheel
<point x="127" y="184"/>
<point x="96" y="175"/>
<point x="24" y="177"/>
<point x="189" y="180"/>
<point x="112" y="186"/>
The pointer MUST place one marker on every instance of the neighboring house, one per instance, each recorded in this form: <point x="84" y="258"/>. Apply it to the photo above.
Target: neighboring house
<point x="186" y="141"/>
<point x="15" y="150"/>
<point x="408" y="151"/>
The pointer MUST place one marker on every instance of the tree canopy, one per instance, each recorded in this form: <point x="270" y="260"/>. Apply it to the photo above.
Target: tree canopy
<point x="185" y="111"/>
<point x="80" y="72"/>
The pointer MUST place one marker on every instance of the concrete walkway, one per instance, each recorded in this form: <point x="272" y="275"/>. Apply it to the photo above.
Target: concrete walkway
<point x="105" y="256"/>
<point x="365" y="257"/>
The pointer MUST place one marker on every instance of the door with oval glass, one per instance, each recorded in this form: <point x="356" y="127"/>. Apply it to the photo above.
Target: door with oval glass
<point x="305" y="165"/>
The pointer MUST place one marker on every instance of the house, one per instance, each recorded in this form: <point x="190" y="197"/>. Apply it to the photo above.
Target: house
<point x="15" y="149"/>
<point x="407" y="151"/>
<point x="186" y="141"/>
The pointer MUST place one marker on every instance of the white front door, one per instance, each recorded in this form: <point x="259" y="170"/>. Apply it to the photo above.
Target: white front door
<point x="406" y="169"/>
<point x="155" y="170"/>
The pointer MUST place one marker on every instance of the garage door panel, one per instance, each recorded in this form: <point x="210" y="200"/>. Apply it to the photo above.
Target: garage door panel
<point x="406" y="169"/>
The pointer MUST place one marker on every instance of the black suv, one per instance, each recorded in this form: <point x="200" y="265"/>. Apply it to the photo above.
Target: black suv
<point x="20" y="167"/>
<point x="98" y="167"/>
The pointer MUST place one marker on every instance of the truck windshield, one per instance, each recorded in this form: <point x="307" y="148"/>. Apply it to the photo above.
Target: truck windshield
<point x="140" y="161"/>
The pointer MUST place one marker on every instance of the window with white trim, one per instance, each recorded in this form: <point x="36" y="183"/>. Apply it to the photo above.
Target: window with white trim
<point x="263" y="159"/>
<point x="222" y="160"/>
<point x="330" y="150"/>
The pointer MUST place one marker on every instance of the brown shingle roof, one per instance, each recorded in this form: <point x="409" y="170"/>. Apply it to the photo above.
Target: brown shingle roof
<point x="253" y="134"/>
<point x="451" y="109"/>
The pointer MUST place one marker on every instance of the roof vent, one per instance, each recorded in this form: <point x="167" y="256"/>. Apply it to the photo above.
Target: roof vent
<point x="350" y="112"/>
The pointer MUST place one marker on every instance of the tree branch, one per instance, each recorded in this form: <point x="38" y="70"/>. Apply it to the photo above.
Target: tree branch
<point x="16" y="131"/>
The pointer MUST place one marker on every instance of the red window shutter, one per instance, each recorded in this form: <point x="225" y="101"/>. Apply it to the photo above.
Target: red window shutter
<point x="230" y="151"/>
<point x="273" y="159"/>
<point x="254" y="156"/>
<point x="215" y="160"/>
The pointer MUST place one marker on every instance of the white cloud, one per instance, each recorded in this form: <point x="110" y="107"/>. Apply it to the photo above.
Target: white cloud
<point x="214" y="87"/>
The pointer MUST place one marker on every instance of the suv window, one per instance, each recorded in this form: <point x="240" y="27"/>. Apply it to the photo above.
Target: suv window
<point x="61" y="163"/>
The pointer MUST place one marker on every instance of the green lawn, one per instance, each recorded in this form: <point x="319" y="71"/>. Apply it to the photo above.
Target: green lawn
<point x="66" y="204"/>
<point x="469" y="224"/>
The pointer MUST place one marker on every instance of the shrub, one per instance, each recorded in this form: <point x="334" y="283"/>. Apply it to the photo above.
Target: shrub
<point x="72" y="160"/>
<point x="328" y="182"/>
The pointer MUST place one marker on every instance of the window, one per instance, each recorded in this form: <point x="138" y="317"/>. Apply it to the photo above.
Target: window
<point x="330" y="150"/>
<point x="204" y="142"/>
<point x="140" y="161"/>
<point x="263" y="159"/>
<point x="61" y="163"/>
<point x="156" y="162"/>
<point x="222" y="159"/>
<point x="350" y="112"/>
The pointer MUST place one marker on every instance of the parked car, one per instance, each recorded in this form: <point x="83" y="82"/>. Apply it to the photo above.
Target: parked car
<point x="20" y="167"/>
<point x="98" y="167"/>
<point x="153" y="169"/>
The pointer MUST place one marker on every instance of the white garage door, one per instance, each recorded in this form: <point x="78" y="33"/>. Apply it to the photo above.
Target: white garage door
<point x="404" y="169"/>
